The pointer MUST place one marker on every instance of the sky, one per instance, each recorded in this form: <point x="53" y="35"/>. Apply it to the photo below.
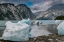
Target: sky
<point x="35" y="5"/>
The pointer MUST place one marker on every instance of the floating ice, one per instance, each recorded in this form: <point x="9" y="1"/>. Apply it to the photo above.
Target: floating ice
<point x="60" y="28"/>
<point x="57" y="21"/>
<point x="17" y="31"/>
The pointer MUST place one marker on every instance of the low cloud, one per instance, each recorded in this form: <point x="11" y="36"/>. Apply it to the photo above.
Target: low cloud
<point x="44" y="5"/>
<point x="41" y="6"/>
<point x="13" y="1"/>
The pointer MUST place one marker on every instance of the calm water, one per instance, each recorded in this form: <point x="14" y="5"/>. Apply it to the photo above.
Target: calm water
<point x="46" y="21"/>
<point x="2" y="23"/>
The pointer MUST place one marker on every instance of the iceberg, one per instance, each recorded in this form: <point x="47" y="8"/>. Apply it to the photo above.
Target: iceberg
<point x="60" y="28"/>
<point x="17" y="31"/>
<point x="26" y="21"/>
<point x="58" y="21"/>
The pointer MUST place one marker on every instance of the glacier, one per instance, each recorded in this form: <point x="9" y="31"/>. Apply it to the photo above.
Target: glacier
<point x="17" y="31"/>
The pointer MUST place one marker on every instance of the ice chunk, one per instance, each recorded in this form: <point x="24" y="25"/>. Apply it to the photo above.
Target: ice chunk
<point x="60" y="28"/>
<point x="57" y="21"/>
<point x="17" y="31"/>
<point x="26" y="21"/>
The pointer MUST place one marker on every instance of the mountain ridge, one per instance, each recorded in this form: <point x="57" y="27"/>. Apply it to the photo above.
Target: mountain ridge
<point x="52" y="12"/>
<point x="8" y="11"/>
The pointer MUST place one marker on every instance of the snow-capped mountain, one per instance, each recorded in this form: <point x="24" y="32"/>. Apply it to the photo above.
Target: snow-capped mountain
<point x="52" y="12"/>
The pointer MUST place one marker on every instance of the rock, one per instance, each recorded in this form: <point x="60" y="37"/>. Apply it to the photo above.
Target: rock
<point x="56" y="38"/>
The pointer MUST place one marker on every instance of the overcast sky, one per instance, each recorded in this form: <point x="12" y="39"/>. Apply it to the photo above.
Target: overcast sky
<point x="35" y="5"/>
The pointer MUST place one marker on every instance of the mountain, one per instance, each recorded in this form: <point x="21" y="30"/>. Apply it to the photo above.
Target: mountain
<point x="52" y="12"/>
<point x="8" y="11"/>
<point x="37" y="13"/>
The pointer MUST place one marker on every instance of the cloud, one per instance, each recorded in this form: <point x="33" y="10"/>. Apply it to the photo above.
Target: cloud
<point x="13" y="1"/>
<point x="41" y="6"/>
<point x="57" y="2"/>
<point x="39" y="1"/>
<point x="44" y="5"/>
<point x="16" y="2"/>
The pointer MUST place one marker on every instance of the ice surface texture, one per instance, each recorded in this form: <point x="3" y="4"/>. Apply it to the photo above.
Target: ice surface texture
<point x="17" y="31"/>
<point x="60" y="28"/>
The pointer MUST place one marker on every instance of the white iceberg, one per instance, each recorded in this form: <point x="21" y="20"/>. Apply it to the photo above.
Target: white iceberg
<point x="60" y="28"/>
<point x="58" y="21"/>
<point x="26" y="21"/>
<point x="17" y="31"/>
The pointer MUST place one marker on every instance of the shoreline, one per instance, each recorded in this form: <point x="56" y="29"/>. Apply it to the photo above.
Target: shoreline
<point x="49" y="38"/>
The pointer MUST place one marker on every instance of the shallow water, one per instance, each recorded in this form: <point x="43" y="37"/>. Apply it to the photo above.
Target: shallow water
<point x="43" y="30"/>
<point x="38" y="31"/>
<point x="1" y="33"/>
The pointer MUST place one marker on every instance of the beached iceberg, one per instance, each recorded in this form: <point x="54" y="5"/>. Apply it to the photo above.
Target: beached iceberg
<point x="60" y="28"/>
<point x="17" y="31"/>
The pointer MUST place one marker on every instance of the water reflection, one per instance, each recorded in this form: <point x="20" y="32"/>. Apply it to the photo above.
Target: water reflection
<point x="1" y="33"/>
<point x="48" y="25"/>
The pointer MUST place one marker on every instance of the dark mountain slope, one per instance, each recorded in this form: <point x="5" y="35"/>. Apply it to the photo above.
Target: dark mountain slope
<point x="9" y="11"/>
